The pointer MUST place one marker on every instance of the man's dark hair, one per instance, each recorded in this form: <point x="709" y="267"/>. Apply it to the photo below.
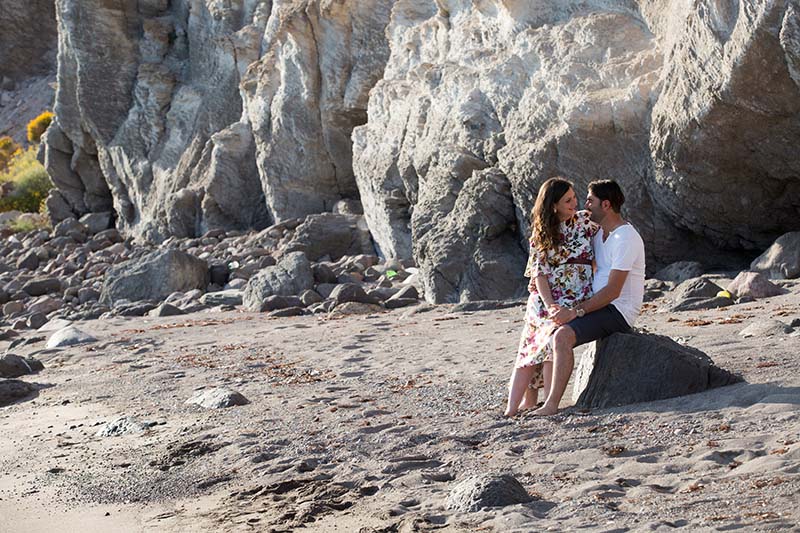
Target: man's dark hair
<point x="608" y="190"/>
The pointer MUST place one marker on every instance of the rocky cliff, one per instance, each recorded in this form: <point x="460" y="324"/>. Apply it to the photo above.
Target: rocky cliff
<point x="442" y="117"/>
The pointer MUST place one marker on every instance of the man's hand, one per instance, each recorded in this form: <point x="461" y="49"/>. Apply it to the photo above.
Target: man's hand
<point x="563" y="316"/>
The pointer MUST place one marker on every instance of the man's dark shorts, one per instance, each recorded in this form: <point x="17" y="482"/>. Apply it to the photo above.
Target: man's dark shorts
<point x="598" y="324"/>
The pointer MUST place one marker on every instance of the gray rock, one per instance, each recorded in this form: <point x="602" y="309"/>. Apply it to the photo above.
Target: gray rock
<point x="310" y="297"/>
<point x="45" y="305"/>
<point x="700" y="302"/>
<point x="273" y="303"/>
<point x="135" y="308"/>
<point x="166" y="309"/>
<point x="288" y="311"/>
<point x="696" y="288"/>
<point x="323" y="273"/>
<point x="28" y="261"/>
<point x="325" y="289"/>
<point x="383" y="293"/>
<point x="96" y="222"/>
<point x="754" y="285"/>
<point x="680" y="271"/>
<point x="14" y="366"/>
<point x="765" y="328"/>
<point x="351" y="292"/>
<point x="69" y="228"/>
<point x="396" y="303"/>
<point x="658" y="367"/>
<point x="406" y="292"/>
<point x="484" y="305"/>
<point x="219" y="274"/>
<point x="329" y="234"/>
<point x="154" y="277"/>
<point x="13" y="308"/>
<point x="41" y="286"/>
<point x="111" y="235"/>
<point x="291" y="276"/>
<point x="68" y="336"/>
<point x="37" y="320"/>
<point x="88" y="294"/>
<point x="217" y="398"/>
<point x="12" y="390"/>
<point x="355" y="308"/>
<point x="123" y="426"/>
<point x="487" y="491"/>
<point x="224" y="297"/>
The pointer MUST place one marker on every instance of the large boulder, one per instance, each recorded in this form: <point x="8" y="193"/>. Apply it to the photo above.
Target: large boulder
<point x="154" y="277"/>
<point x="291" y="276"/>
<point x="782" y="259"/>
<point x="753" y="285"/>
<point x="631" y="368"/>
<point x="333" y="235"/>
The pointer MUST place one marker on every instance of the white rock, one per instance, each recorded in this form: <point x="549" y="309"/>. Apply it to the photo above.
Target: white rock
<point x="68" y="336"/>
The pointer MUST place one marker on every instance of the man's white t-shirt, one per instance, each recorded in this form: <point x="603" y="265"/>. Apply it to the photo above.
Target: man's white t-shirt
<point x="622" y="250"/>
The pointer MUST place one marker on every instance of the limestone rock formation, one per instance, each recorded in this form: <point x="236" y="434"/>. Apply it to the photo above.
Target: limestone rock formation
<point x="27" y="39"/>
<point x="442" y="117"/>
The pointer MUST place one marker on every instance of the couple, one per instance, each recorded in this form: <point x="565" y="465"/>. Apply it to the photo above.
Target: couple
<point x="568" y="304"/>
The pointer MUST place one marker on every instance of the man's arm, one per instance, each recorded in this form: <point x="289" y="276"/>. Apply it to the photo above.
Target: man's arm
<point x="606" y="295"/>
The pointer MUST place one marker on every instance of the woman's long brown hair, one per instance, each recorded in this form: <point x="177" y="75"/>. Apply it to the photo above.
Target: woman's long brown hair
<point x="546" y="233"/>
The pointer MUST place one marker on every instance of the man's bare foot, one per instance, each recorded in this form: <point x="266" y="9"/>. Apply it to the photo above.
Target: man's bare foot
<point x="546" y="410"/>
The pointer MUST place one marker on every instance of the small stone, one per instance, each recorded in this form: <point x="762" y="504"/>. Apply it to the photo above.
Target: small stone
<point x="486" y="491"/>
<point x="123" y="426"/>
<point x="36" y="320"/>
<point x="165" y="309"/>
<point x="765" y="328"/>
<point x="42" y="286"/>
<point x="13" y="308"/>
<point x="217" y="398"/>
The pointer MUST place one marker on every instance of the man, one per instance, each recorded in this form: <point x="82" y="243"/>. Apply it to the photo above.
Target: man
<point x="618" y="288"/>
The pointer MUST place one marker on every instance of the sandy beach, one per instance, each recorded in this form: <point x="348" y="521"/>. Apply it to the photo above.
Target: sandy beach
<point x="367" y="422"/>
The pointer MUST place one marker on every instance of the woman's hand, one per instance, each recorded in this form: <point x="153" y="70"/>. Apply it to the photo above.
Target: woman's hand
<point x="553" y="309"/>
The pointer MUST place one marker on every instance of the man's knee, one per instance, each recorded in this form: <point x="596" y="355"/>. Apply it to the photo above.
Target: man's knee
<point x="564" y="337"/>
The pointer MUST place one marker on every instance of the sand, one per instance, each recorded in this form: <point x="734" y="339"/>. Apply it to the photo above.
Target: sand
<point x="367" y="422"/>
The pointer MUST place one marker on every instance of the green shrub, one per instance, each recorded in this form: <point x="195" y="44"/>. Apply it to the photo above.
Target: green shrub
<point x="8" y="149"/>
<point x="37" y="126"/>
<point x="25" y="184"/>
<point x="24" y="225"/>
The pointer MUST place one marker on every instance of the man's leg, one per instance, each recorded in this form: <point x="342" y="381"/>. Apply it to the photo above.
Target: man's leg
<point x="563" y="361"/>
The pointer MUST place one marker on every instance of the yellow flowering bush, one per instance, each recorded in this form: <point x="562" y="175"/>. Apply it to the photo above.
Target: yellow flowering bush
<point x="37" y="126"/>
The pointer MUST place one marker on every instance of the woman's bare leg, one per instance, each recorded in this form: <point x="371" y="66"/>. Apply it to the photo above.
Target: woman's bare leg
<point x="547" y="377"/>
<point x="518" y="384"/>
<point x="529" y="399"/>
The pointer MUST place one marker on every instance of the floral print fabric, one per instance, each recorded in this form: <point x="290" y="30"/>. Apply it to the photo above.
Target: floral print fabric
<point x="569" y="284"/>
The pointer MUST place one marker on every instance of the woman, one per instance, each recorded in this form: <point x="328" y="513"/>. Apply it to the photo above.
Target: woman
<point x="560" y="268"/>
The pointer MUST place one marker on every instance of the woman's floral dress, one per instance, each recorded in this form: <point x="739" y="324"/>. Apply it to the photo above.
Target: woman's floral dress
<point x="570" y="284"/>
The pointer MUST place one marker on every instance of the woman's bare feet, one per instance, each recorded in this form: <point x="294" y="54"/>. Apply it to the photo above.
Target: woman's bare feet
<point x="530" y="400"/>
<point x="546" y="410"/>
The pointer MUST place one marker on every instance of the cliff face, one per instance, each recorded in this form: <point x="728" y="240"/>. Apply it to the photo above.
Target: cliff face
<point x="442" y="117"/>
<point x="27" y="39"/>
